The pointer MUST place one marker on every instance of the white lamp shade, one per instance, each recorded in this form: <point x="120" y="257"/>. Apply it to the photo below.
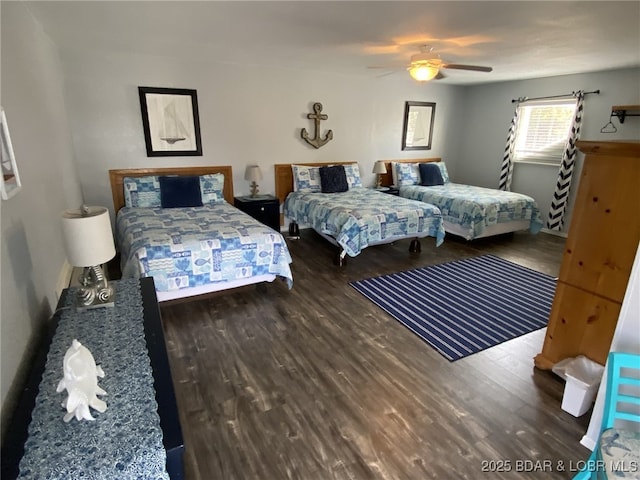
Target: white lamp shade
<point x="88" y="239"/>
<point x="379" y="168"/>
<point x="253" y="173"/>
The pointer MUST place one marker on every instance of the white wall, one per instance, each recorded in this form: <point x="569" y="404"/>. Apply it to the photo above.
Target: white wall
<point x="254" y="116"/>
<point x="247" y="116"/>
<point x="488" y="113"/>
<point x="32" y="254"/>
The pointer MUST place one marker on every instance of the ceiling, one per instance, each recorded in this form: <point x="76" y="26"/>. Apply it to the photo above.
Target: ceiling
<point x="518" y="39"/>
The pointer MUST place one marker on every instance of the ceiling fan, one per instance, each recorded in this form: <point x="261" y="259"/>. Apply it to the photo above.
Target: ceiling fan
<point x="426" y="65"/>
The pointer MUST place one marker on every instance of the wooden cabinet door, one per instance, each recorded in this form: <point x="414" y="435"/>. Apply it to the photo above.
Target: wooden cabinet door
<point x="605" y="228"/>
<point x="580" y="324"/>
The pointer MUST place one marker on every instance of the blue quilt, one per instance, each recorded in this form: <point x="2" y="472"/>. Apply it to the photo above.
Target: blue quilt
<point x="361" y="216"/>
<point x="476" y="208"/>
<point x="190" y="247"/>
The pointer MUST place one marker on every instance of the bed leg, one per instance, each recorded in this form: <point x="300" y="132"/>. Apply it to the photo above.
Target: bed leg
<point x="341" y="258"/>
<point x="415" y="246"/>
<point x="294" y="231"/>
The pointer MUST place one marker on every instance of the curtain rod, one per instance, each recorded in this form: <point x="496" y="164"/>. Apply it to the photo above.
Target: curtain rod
<point x="524" y="99"/>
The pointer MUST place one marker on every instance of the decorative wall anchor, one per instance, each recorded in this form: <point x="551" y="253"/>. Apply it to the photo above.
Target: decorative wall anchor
<point x="316" y="141"/>
<point x="81" y="382"/>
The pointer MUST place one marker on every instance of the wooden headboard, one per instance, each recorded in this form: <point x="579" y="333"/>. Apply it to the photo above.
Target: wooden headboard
<point x="284" y="176"/>
<point x="387" y="178"/>
<point x="117" y="179"/>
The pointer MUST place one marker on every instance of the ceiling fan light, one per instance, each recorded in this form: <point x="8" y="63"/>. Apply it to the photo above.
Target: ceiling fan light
<point x="423" y="73"/>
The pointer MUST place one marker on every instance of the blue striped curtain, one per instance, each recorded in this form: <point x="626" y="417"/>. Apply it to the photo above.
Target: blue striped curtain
<point x="555" y="221"/>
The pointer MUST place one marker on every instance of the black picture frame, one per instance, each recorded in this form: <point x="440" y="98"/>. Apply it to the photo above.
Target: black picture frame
<point x="417" y="130"/>
<point x="10" y="183"/>
<point x="170" y="121"/>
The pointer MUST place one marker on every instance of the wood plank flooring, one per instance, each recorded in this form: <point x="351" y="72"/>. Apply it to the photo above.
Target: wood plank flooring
<point x="319" y="383"/>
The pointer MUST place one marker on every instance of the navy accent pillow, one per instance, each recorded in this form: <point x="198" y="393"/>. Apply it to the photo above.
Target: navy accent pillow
<point x="430" y="174"/>
<point x="333" y="179"/>
<point x="180" y="192"/>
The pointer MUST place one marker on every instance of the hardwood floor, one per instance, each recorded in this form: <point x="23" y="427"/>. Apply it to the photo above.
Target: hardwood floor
<point x="319" y="383"/>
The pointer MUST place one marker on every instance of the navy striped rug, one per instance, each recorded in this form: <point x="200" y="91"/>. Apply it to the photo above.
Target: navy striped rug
<point x="463" y="307"/>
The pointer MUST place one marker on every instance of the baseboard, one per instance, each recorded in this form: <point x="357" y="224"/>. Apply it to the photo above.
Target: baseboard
<point x="588" y="442"/>
<point x="64" y="278"/>
<point x="554" y="232"/>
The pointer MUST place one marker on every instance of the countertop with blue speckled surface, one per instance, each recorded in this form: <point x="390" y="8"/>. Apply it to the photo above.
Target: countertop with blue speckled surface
<point x="124" y="442"/>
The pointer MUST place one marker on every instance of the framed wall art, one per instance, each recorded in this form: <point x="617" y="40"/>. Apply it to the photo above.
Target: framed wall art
<point x="417" y="130"/>
<point x="10" y="179"/>
<point x="170" y="121"/>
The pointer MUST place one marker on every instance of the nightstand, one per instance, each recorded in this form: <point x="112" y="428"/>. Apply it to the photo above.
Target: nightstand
<point x="264" y="208"/>
<point x="389" y="190"/>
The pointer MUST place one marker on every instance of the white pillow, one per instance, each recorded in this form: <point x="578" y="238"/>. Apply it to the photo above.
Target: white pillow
<point x="306" y="179"/>
<point x="353" y="175"/>
<point x="407" y="174"/>
<point x="443" y="171"/>
<point x="142" y="192"/>
<point x="212" y="188"/>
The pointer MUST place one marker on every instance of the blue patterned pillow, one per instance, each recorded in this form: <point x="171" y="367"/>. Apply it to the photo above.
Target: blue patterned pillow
<point x="142" y="192"/>
<point x="306" y="179"/>
<point x="353" y="175"/>
<point x="443" y="171"/>
<point x="212" y="188"/>
<point x="407" y="174"/>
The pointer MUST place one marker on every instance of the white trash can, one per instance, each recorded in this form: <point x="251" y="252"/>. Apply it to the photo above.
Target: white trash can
<point x="583" y="379"/>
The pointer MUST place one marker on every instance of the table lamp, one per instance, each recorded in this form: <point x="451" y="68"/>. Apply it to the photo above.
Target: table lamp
<point x="253" y="174"/>
<point x="89" y="243"/>
<point x="379" y="169"/>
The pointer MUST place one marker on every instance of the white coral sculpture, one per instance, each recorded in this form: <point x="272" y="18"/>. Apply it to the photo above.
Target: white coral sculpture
<point x="81" y="382"/>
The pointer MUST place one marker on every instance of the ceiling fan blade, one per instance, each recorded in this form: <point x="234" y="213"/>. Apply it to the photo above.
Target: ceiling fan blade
<point x="386" y="74"/>
<point x="387" y="67"/>
<point x="476" y="68"/>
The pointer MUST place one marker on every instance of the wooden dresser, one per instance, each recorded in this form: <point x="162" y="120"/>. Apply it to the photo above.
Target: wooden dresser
<point x="602" y="243"/>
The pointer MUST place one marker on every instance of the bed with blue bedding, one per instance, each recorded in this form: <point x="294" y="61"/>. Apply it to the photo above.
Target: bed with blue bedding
<point x="467" y="210"/>
<point x="195" y="249"/>
<point x="360" y="217"/>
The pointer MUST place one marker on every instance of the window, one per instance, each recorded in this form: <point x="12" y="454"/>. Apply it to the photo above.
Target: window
<point x="543" y="130"/>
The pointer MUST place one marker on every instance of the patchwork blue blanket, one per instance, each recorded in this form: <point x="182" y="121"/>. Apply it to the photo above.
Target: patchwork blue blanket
<point x="194" y="246"/>
<point x="361" y="216"/>
<point x="476" y="208"/>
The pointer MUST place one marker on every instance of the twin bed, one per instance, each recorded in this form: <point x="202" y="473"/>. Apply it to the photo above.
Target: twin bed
<point x="204" y="247"/>
<point x="354" y="217"/>
<point x="468" y="211"/>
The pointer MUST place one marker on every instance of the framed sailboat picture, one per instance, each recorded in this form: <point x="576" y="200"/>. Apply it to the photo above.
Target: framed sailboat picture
<point x="170" y="121"/>
<point x="10" y="179"/>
